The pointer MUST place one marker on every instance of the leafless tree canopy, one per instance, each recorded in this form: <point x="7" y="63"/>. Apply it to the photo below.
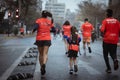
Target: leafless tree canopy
<point x="92" y="11"/>
<point x="28" y="9"/>
<point x="116" y="10"/>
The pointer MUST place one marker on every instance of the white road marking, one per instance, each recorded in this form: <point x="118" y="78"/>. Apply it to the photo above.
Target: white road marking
<point x="7" y="73"/>
<point x="119" y="60"/>
<point x="37" y="70"/>
<point x="90" y="69"/>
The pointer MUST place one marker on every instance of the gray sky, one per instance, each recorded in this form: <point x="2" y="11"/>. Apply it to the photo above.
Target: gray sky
<point x="72" y="4"/>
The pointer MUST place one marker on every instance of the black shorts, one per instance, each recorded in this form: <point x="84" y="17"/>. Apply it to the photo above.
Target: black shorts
<point x="72" y="53"/>
<point x="41" y="43"/>
<point x="22" y="33"/>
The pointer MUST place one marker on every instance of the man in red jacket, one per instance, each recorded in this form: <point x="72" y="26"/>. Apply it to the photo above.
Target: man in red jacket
<point x="110" y="29"/>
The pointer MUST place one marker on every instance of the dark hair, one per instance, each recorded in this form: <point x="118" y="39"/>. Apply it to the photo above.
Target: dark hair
<point x="109" y="12"/>
<point x="52" y="20"/>
<point x="86" y="19"/>
<point x="46" y="14"/>
<point x="66" y="23"/>
<point x="74" y="36"/>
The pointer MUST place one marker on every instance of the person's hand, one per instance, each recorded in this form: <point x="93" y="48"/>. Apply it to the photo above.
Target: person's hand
<point x="118" y="44"/>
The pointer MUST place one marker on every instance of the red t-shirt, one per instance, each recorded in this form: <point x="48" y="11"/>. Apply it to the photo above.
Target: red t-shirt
<point x="111" y="29"/>
<point x="67" y="30"/>
<point x="87" y="29"/>
<point x="21" y="29"/>
<point x="43" y="32"/>
<point x="74" y="47"/>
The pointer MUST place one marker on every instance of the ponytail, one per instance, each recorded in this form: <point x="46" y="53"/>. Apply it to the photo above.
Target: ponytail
<point x="74" y="36"/>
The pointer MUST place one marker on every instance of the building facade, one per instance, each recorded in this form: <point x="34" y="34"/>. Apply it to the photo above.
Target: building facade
<point x="71" y="16"/>
<point x="57" y="9"/>
<point x="39" y="5"/>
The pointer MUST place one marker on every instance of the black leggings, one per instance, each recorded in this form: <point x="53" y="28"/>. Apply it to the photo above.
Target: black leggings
<point x="109" y="49"/>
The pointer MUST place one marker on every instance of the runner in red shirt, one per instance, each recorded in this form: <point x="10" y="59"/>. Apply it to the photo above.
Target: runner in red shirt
<point x="22" y="31"/>
<point x="110" y="29"/>
<point x="66" y="33"/>
<point x="118" y="44"/>
<point x="86" y="30"/>
<point x="43" y="26"/>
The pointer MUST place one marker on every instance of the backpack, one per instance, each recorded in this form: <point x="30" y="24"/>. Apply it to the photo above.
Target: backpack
<point x="74" y="45"/>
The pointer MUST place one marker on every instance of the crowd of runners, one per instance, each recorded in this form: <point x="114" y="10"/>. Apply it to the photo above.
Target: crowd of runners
<point x="110" y="30"/>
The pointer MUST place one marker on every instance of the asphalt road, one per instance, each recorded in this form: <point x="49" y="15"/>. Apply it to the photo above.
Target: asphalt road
<point x="91" y="66"/>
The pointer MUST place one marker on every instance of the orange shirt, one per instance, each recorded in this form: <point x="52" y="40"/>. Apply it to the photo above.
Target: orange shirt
<point x="21" y="29"/>
<point x="87" y="29"/>
<point x="111" y="29"/>
<point x="67" y="30"/>
<point x="43" y="32"/>
<point x="72" y="46"/>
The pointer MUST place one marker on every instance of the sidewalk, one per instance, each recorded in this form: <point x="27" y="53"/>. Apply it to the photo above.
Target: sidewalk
<point x="6" y="37"/>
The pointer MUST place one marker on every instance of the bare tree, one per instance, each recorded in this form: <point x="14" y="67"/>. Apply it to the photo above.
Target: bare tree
<point x="31" y="16"/>
<point x="27" y="10"/>
<point x="116" y="10"/>
<point x="93" y="11"/>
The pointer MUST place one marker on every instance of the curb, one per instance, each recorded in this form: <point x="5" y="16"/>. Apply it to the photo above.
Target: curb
<point x="20" y="71"/>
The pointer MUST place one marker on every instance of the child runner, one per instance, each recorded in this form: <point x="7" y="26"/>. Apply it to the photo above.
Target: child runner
<point x="73" y="41"/>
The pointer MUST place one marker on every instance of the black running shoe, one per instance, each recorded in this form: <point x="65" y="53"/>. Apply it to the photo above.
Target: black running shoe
<point x="89" y="49"/>
<point x="108" y="71"/>
<point x="75" y="68"/>
<point x="66" y="52"/>
<point x="71" y="71"/>
<point x="43" y="71"/>
<point x="116" y="66"/>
